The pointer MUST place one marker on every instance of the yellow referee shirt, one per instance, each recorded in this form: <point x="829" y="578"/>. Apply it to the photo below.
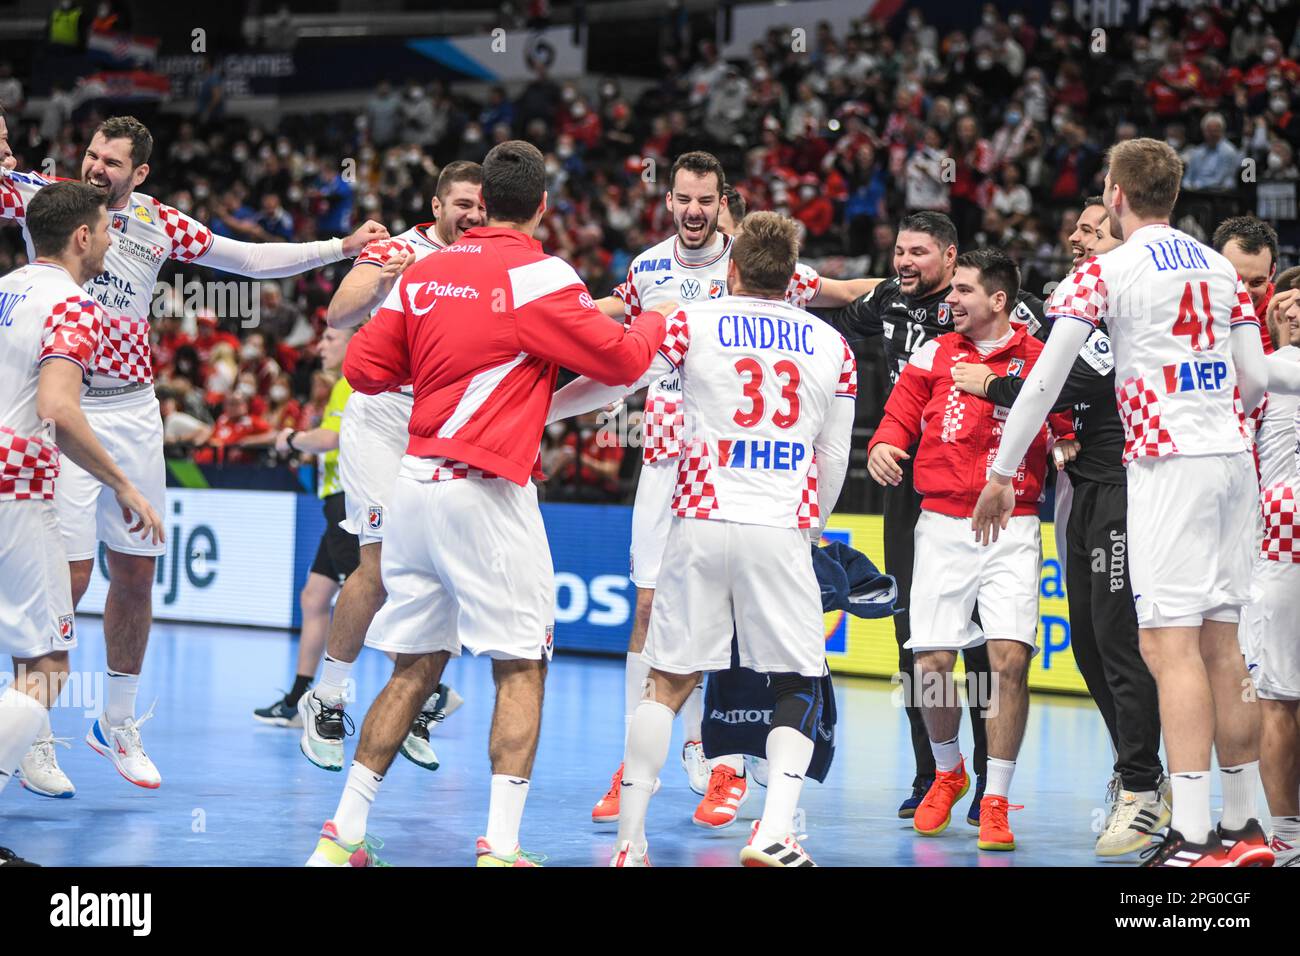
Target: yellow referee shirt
<point x="328" y="482"/>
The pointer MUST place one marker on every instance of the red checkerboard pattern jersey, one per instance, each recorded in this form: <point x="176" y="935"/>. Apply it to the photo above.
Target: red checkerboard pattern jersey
<point x="146" y="233"/>
<point x="1170" y="303"/>
<point x="1277" y="447"/>
<point x="668" y="273"/>
<point x="758" y="379"/>
<point x="43" y="313"/>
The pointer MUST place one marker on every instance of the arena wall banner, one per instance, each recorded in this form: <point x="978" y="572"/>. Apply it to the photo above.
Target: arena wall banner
<point x="503" y="56"/>
<point x="229" y="560"/>
<point x="240" y="557"/>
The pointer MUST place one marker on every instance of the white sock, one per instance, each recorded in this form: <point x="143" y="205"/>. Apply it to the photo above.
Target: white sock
<point x="692" y="714"/>
<point x="1191" y="793"/>
<point x="1240" y="794"/>
<point x="505" y="812"/>
<point x="1287" y="829"/>
<point x="46" y="730"/>
<point x="21" y="718"/>
<point x="1000" y="773"/>
<point x="946" y="755"/>
<point x="735" y="761"/>
<point x="788" y="755"/>
<point x="354" y="806"/>
<point x="334" y="678"/>
<point x="122" y="689"/>
<point x="647" y="749"/>
<point x="635" y="674"/>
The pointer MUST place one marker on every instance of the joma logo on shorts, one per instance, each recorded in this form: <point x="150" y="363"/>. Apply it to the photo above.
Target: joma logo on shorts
<point x="742" y="716"/>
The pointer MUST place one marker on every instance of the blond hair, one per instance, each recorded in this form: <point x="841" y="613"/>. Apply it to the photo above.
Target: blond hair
<point x="766" y="252"/>
<point x="1149" y="172"/>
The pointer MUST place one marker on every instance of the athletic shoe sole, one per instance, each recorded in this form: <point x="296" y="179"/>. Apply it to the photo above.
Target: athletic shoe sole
<point x="990" y="845"/>
<point x="108" y="754"/>
<point x="32" y="788"/>
<point x="429" y="765"/>
<point x="279" y="721"/>
<point x="315" y="761"/>
<point x="1257" y="857"/>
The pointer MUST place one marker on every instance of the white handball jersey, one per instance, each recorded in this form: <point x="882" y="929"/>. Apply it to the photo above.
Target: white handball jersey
<point x="146" y="233"/>
<point x="1277" y="439"/>
<point x="43" y="313"/>
<point x="1170" y="303"/>
<point x="758" y="377"/>
<point x="667" y="273"/>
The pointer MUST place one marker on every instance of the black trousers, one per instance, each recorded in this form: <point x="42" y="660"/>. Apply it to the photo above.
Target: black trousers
<point x="1104" y="630"/>
<point x="902" y="509"/>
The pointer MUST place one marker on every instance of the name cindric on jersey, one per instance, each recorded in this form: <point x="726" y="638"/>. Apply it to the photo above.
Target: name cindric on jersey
<point x="1170" y="303"/>
<point x="759" y="378"/>
<point x="660" y="275"/>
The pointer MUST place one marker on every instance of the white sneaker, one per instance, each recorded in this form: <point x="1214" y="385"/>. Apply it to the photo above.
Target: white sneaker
<point x="1284" y="854"/>
<point x="696" y="766"/>
<point x="324" y="725"/>
<point x="783" y="852"/>
<point x="1132" y="822"/>
<point x="122" y="746"/>
<point x="39" y="770"/>
<point x="628" y="856"/>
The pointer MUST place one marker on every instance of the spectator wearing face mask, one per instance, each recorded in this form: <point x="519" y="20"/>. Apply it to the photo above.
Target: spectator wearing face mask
<point x="237" y="432"/>
<point x="1249" y="35"/>
<point x="283" y="410"/>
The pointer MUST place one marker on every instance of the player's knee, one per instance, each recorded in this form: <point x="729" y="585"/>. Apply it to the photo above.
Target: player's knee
<point x="798" y="703"/>
<point x="1012" y="663"/>
<point x="131" y="575"/>
<point x="935" y="662"/>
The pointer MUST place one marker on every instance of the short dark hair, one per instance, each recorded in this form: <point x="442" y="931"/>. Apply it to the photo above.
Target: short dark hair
<point x="1093" y="201"/>
<point x="514" y="180"/>
<point x="460" y="171"/>
<point x="735" y="203"/>
<point x="701" y="164"/>
<point x="934" y="224"/>
<point x="998" y="272"/>
<point x="1288" y="279"/>
<point x="766" y="253"/>
<point x="128" y="127"/>
<point x="57" y="211"/>
<point x="1250" y="233"/>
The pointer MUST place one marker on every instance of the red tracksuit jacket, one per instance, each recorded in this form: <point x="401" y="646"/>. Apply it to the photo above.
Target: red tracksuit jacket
<point x="958" y="432"/>
<point x="480" y="330"/>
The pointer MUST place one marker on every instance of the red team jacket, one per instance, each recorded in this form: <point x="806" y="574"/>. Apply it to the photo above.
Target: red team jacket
<point x="959" y="433"/>
<point x="480" y="330"/>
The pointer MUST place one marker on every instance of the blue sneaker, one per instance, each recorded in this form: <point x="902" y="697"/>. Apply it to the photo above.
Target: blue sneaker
<point x="920" y="786"/>
<point x="973" y="813"/>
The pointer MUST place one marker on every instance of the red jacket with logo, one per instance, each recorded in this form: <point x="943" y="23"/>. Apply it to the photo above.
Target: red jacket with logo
<point x="480" y="331"/>
<point x="958" y="432"/>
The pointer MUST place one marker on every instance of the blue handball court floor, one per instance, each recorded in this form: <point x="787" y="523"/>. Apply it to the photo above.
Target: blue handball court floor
<point x="237" y="793"/>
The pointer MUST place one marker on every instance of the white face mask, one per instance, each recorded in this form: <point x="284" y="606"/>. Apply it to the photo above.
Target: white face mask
<point x="279" y="394"/>
<point x="245" y="390"/>
<point x="1279" y="105"/>
<point x="555" y="430"/>
<point x="249" y="353"/>
<point x="1274" y="161"/>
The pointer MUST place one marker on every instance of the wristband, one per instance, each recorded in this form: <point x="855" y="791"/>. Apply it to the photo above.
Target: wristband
<point x="991" y="377"/>
<point x="289" y="441"/>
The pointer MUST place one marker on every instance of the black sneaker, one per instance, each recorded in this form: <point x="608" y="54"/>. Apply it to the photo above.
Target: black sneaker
<point x="973" y="811"/>
<point x="9" y="858"/>
<point x="1174" y="850"/>
<point x="920" y="786"/>
<point x="279" y="714"/>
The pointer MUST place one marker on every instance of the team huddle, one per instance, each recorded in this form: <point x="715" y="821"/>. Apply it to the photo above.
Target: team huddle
<point x="1143" y="381"/>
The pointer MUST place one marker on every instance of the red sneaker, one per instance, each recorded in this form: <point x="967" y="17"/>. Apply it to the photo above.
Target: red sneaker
<point x="995" y="831"/>
<point x="727" y="793"/>
<point x="935" y="811"/>
<point x="1174" y="850"/>
<point x="606" y="808"/>
<point x="1247" y="846"/>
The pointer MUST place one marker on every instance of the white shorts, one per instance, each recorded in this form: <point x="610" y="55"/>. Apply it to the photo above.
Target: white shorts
<point x="1270" y="630"/>
<point x="721" y="577"/>
<point x="372" y="441"/>
<point x="35" y="588"/>
<point x="1192" y="538"/>
<point x="953" y="573"/>
<point x="467" y="566"/>
<point x="131" y="432"/>
<point x="652" y="516"/>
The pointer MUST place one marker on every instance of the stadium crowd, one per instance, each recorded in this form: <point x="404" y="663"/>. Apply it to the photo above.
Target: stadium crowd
<point x="1003" y="127"/>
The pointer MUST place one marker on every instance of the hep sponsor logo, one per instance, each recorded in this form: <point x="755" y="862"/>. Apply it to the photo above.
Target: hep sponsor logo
<point x="66" y="630"/>
<point x="119" y="222"/>
<point x="1015" y="367"/>
<point x="943" y="315"/>
<point x="375" y="517"/>
<point x="717" y="288"/>
<point x="1195" y="376"/>
<point x="761" y="453"/>
<point x="421" y="297"/>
